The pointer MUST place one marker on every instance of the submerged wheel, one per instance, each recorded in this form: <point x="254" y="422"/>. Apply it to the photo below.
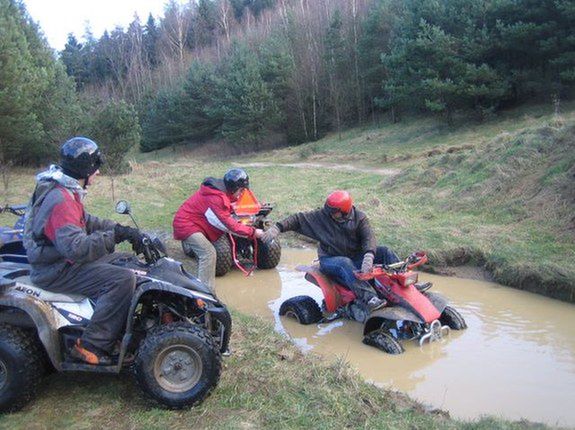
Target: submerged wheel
<point x="224" y="258"/>
<point x="21" y="366"/>
<point x="303" y="308"/>
<point x="178" y="365"/>
<point x="450" y="317"/>
<point x="384" y="341"/>
<point x="269" y="254"/>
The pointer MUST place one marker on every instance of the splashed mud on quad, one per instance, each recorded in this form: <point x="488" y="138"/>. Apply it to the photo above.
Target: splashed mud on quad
<point x="411" y="312"/>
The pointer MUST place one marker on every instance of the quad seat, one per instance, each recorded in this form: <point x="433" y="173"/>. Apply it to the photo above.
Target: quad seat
<point x="25" y="286"/>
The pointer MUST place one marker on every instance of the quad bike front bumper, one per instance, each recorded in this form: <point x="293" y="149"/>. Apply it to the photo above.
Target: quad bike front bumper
<point x="434" y="332"/>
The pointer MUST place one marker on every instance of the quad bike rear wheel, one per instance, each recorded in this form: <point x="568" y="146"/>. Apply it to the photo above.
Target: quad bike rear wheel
<point x="269" y="254"/>
<point x="178" y="365"/>
<point x="224" y="258"/>
<point x="384" y="341"/>
<point x="303" y="308"/>
<point x="21" y="366"/>
<point x="452" y="318"/>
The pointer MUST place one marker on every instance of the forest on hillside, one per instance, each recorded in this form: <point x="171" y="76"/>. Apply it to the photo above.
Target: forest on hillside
<point x="254" y="73"/>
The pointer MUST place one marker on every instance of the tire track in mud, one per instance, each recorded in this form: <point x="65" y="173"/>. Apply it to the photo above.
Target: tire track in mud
<point x="346" y="167"/>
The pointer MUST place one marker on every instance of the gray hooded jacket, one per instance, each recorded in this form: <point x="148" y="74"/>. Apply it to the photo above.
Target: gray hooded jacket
<point x="58" y="232"/>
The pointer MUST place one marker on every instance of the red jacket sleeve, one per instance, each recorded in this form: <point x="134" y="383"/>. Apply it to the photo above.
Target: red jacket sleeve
<point x="219" y="215"/>
<point x="66" y="229"/>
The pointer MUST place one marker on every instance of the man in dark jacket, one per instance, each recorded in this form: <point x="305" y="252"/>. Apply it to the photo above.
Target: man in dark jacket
<point x="346" y="243"/>
<point x="69" y="249"/>
<point x="205" y="216"/>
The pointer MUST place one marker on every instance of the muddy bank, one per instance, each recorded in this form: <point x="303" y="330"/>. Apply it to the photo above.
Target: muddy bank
<point x="549" y="283"/>
<point x="474" y="264"/>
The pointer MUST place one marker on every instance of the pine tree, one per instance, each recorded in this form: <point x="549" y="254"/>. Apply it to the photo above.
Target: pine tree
<point x="245" y="103"/>
<point x="37" y="98"/>
<point x="159" y="120"/>
<point x="151" y="41"/>
<point x="116" y="128"/>
<point x="19" y="125"/>
<point x="75" y="60"/>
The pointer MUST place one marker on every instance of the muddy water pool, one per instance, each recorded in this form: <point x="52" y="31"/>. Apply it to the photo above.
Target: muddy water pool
<point x="516" y="359"/>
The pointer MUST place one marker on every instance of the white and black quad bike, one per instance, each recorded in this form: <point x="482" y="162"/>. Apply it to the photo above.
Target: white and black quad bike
<point x="176" y="331"/>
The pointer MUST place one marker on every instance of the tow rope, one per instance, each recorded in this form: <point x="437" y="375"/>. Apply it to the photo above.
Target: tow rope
<point x="237" y="261"/>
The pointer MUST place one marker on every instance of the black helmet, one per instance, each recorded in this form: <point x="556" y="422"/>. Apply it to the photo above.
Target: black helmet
<point x="235" y="179"/>
<point x="80" y="157"/>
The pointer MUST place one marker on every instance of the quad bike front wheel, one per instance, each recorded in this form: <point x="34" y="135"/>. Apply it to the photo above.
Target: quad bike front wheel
<point x="269" y="255"/>
<point x="178" y="365"/>
<point x="452" y="318"/>
<point x="383" y="341"/>
<point x="303" y="308"/>
<point x="224" y="257"/>
<point x="21" y="366"/>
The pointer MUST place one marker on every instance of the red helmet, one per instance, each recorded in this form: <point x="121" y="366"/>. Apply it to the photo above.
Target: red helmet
<point x="339" y="201"/>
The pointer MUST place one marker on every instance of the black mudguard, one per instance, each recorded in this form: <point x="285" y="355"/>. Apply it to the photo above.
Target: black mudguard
<point x="151" y="285"/>
<point x="393" y="313"/>
<point x="172" y="271"/>
<point x="438" y="300"/>
<point x="214" y="307"/>
<point x="397" y="313"/>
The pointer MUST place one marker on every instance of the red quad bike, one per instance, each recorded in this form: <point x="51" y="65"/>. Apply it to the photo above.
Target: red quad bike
<point x="247" y="254"/>
<point x="411" y="312"/>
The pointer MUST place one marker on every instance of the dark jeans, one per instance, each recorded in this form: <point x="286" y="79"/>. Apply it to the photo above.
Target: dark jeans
<point x="342" y="269"/>
<point x="111" y="286"/>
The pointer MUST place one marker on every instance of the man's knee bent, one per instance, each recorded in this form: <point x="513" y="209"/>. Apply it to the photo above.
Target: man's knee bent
<point x="384" y="255"/>
<point x="340" y="261"/>
<point x="124" y="283"/>
<point x="209" y="255"/>
<point x="341" y="267"/>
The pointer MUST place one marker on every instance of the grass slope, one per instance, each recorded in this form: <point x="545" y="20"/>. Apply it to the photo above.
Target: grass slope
<point x="501" y="193"/>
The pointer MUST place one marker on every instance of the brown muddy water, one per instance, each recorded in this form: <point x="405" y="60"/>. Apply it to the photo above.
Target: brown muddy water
<point x="516" y="359"/>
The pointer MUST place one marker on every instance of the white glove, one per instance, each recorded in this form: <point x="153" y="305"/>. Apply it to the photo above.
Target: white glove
<point x="367" y="263"/>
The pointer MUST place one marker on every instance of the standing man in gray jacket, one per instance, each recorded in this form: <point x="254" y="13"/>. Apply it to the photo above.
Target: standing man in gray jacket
<point x="69" y="250"/>
<point x="346" y="243"/>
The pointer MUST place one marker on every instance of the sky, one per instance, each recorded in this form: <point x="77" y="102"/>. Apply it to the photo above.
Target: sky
<point x="57" y="18"/>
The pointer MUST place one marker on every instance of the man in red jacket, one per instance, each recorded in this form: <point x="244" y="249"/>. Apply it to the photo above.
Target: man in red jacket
<point x="207" y="215"/>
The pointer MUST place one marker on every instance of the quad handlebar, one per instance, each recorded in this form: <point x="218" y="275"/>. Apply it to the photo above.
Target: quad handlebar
<point x="151" y="248"/>
<point x="414" y="260"/>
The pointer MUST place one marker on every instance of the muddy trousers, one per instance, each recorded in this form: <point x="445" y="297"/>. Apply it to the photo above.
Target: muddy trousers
<point x="199" y="247"/>
<point x="112" y="288"/>
<point x="342" y="269"/>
